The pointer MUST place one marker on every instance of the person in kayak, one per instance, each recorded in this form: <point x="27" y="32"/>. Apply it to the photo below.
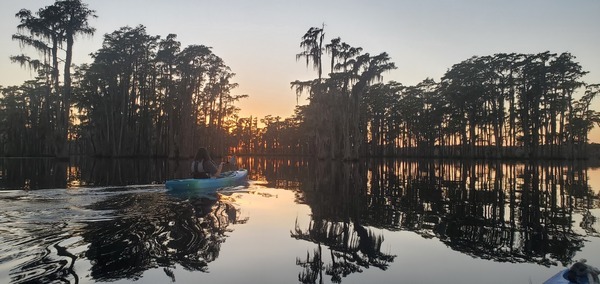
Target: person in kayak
<point x="581" y="272"/>
<point x="204" y="167"/>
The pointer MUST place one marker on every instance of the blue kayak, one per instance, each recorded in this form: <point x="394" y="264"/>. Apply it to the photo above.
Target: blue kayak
<point x="561" y="278"/>
<point x="558" y="278"/>
<point x="226" y="179"/>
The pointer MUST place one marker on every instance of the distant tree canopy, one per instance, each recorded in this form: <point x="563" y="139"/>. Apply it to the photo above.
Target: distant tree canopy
<point x="141" y="95"/>
<point x="335" y="114"/>
<point x="49" y="31"/>
<point x="517" y="105"/>
<point x="504" y="105"/>
<point x="144" y="95"/>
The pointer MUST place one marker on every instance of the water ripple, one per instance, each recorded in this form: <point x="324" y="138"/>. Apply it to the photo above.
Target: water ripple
<point x="112" y="233"/>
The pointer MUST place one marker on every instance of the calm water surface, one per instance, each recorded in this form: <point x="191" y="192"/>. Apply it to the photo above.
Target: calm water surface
<point x="297" y="222"/>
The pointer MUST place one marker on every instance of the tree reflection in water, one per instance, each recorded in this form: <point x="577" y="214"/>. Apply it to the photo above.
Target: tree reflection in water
<point x="336" y="197"/>
<point x="502" y="211"/>
<point x="153" y="231"/>
<point x="510" y="213"/>
<point x="538" y="213"/>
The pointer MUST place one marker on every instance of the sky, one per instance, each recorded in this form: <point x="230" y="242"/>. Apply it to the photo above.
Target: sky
<point x="259" y="40"/>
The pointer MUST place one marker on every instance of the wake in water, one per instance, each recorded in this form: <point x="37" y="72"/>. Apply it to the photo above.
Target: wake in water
<point x="109" y="232"/>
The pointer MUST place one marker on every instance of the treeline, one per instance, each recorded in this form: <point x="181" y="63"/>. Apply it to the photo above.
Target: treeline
<point x="142" y="95"/>
<point x="35" y="117"/>
<point x="147" y="96"/>
<point x="498" y="106"/>
<point x="150" y="97"/>
<point x="504" y="105"/>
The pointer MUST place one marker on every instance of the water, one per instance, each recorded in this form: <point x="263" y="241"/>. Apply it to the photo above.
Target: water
<point x="299" y="221"/>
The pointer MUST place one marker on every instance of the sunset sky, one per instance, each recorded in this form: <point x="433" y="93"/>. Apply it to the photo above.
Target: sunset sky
<point x="259" y="39"/>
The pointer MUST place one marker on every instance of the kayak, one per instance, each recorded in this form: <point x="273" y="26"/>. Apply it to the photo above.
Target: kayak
<point x="558" y="278"/>
<point x="561" y="278"/>
<point x="226" y="179"/>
